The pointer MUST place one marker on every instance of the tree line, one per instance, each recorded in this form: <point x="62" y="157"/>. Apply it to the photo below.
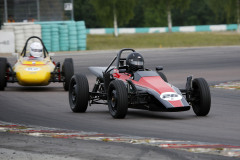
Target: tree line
<point x="155" y="13"/>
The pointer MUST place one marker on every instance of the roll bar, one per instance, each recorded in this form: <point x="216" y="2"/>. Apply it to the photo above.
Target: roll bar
<point x="118" y="58"/>
<point x="45" y="52"/>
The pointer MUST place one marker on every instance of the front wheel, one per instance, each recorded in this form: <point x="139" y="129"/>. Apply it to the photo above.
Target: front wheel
<point x="201" y="97"/>
<point x="78" y="93"/>
<point x="3" y="68"/>
<point x="117" y="99"/>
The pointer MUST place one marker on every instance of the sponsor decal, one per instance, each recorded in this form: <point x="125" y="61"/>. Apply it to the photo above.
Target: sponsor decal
<point x="33" y="69"/>
<point x="170" y="96"/>
<point x="116" y="73"/>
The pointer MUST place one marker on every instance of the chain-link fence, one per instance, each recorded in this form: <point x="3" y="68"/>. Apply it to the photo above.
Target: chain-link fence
<point x="35" y="10"/>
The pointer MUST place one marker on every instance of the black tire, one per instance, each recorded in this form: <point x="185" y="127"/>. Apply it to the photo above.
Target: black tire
<point x="78" y="93"/>
<point x="201" y="97"/>
<point x="3" y="68"/>
<point x="162" y="75"/>
<point x="68" y="60"/>
<point x="3" y="59"/>
<point x="117" y="99"/>
<point x="68" y="72"/>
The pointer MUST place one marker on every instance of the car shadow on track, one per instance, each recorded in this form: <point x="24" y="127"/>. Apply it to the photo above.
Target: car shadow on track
<point x="138" y="114"/>
<point x="34" y="89"/>
<point x="133" y="114"/>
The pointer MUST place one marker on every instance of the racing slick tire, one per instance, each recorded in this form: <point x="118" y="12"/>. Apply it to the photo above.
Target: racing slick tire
<point x="68" y="60"/>
<point x="201" y="97"/>
<point x="117" y="99"/>
<point x="162" y="75"/>
<point x="78" y="93"/>
<point x="3" y="68"/>
<point x="68" y="72"/>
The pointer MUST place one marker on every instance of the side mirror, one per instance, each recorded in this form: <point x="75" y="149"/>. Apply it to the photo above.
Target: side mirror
<point x="159" y="68"/>
<point x="51" y="54"/>
<point x="15" y="55"/>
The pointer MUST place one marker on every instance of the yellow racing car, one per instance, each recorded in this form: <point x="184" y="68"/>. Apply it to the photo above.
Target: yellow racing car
<point x="35" y="68"/>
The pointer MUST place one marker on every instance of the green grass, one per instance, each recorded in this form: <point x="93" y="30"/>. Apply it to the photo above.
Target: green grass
<point x="159" y="40"/>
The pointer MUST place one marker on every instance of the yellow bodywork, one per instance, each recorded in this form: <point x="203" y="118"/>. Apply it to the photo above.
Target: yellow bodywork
<point x="33" y="71"/>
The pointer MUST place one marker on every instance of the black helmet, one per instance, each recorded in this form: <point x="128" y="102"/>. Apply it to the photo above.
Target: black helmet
<point x="135" y="61"/>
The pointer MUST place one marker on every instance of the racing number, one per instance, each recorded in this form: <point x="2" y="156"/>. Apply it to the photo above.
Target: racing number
<point x="32" y="69"/>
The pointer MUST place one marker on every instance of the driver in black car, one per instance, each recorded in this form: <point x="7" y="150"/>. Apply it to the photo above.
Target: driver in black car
<point x="135" y="62"/>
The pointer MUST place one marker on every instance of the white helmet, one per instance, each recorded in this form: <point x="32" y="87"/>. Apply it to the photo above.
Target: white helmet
<point x="36" y="49"/>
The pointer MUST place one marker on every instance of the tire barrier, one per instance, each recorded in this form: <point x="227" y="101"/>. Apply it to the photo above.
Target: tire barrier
<point x="64" y="35"/>
<point x="56" y="36"/>
<point x="22" y="31"/>
<point x="82" y="32"/>
<point x="72" y="37"/>
<point x="63" y="38"/>
<point x="19" y="38"/>
<point x="46" y="36"/>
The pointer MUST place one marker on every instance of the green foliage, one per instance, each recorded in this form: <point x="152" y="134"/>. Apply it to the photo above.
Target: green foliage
<point x="224" y="10"/>
<point x="153" y="13"/>
<point x="138" y="19"/>
<point x="155" y="17"/>
<point x="174" y="4"/>
<point x="198" y="13"/>
<point x="105" y="9"/>
<point x="83" y="10"/>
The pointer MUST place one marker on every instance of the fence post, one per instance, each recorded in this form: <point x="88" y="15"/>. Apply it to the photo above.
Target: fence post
<point x="5" y="11"/>
<point x="38" y="10"/>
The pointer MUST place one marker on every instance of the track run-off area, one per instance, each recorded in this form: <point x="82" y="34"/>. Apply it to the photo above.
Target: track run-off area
<point x="44" y="113"/>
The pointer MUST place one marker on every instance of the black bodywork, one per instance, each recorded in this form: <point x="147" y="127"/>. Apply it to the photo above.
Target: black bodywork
<point x="138" y="97"/>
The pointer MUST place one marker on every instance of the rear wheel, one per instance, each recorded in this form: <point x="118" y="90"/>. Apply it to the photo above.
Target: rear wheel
<point x="201" y="97"/>
<point x="162" y="75"/>
<point x="70" y="60"/>
<point x="78" y="93"/>
<point x="3" y="68"/>
<point x="68" y="72"/>
<point x="117" y="99"/>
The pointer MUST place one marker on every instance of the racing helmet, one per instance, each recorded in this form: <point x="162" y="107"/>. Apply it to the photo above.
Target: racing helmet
<point x="135" y="61"/>
<point x="36" y="49"/>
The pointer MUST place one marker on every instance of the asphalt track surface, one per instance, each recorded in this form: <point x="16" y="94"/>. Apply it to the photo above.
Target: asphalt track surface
<point x="49" y="107"/>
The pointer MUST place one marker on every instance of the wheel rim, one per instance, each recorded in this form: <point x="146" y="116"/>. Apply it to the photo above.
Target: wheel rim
<point x="73" y="93"/>
<point x="196" y="97"/>
<point x="113" y="100"/>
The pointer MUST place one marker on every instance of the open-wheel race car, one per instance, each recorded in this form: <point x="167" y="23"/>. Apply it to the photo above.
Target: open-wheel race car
<point x="130" y="85"/>
<point x="35" y="68"/>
